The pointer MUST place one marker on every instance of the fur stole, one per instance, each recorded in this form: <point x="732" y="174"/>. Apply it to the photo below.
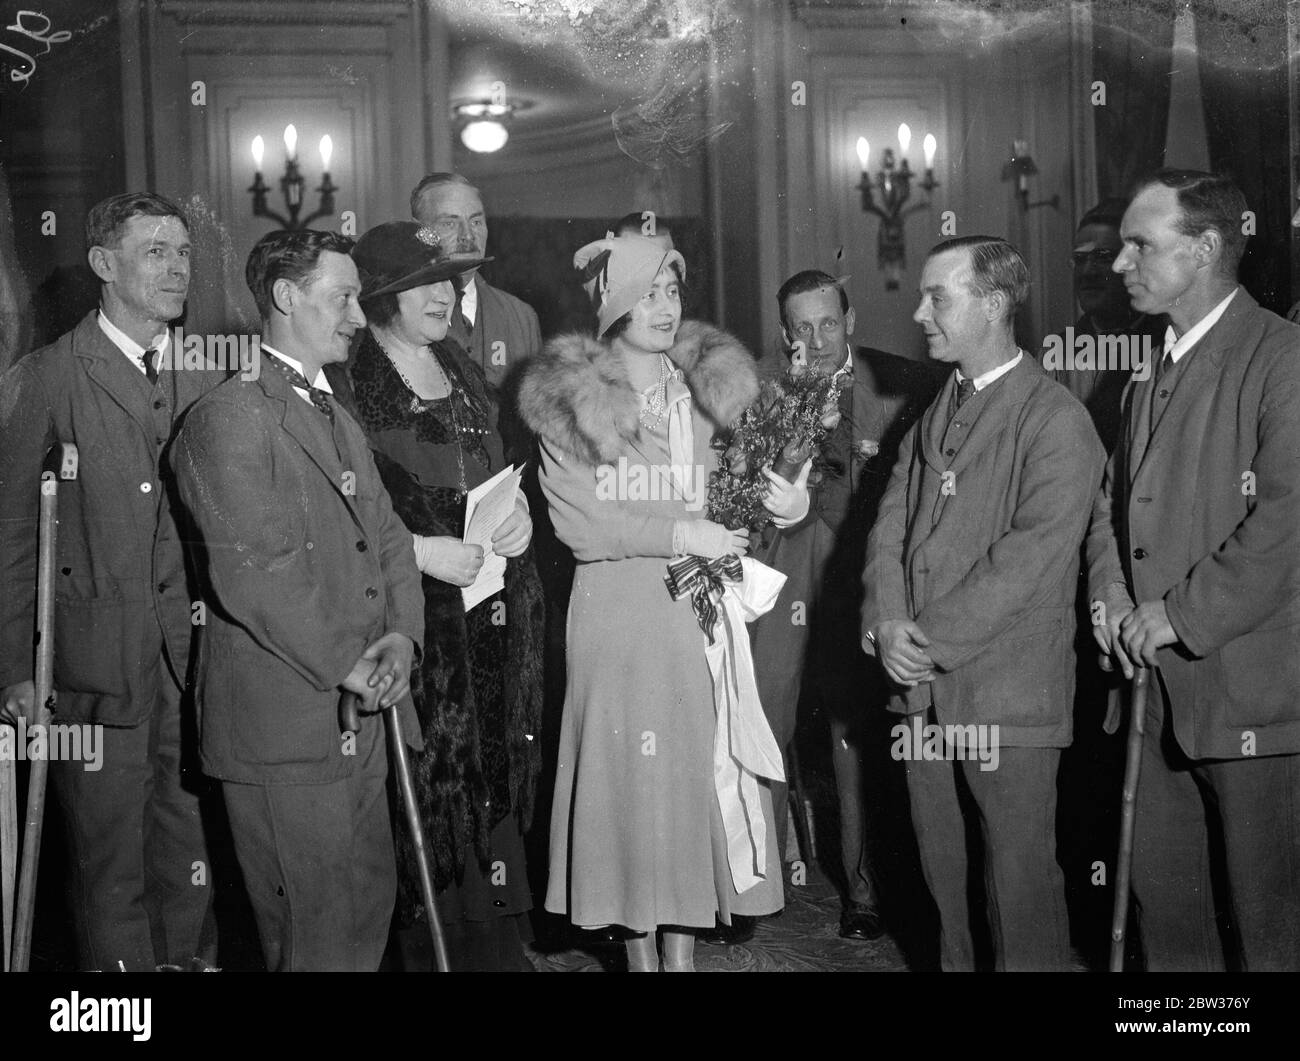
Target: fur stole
<point x="577" y="396"/>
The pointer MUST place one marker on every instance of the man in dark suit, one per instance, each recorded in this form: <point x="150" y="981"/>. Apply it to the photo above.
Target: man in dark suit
<point x="314" y="592"/>
<point x="1104" y="312"/>
<point x="970" y="587"/>
<point x="807" y="645"/>
<point x="1194" y="568"/>
<point x="498" y="330"/>
<point x="116" y="386"/>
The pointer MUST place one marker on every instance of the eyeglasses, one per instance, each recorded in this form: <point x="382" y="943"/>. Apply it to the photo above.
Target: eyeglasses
<point x="1081" y="259"/>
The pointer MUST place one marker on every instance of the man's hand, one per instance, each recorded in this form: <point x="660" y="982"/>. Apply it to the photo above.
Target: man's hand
<point x="901" y="646"/>
<point x="1145" y="629"/>
<point x="18" y="699"/>
<point x="392" y="655"/>
<point x="357" y="682"/>
<point x="514" y="534"/>
<point x="1108" y="639"/>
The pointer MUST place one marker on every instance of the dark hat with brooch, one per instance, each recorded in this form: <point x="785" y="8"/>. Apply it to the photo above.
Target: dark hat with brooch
<point x="399" y="255"/>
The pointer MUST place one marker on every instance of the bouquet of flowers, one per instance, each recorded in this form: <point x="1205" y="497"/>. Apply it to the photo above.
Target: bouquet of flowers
<point x="786" y="424"/>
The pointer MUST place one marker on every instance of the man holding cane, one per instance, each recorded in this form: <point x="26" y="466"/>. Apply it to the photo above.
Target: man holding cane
<point x="1194" y="570"/>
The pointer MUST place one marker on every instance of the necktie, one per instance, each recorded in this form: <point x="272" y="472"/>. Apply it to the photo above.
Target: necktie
<point x="149" y="359"/>
<point x="318" y="397"/>
<point x="965" y="388"/>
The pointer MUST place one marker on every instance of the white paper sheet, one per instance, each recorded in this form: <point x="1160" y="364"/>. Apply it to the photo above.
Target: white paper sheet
<point x="487" y="506"/>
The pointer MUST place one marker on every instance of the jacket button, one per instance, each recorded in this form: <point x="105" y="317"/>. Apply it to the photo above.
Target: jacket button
<point x="371" y="592"/>
<point x="311" y="545"/>
<point x="1164" y="394"/>
<point x="950" y="452"/>
<point x="1139" y="554"/>
<point x="162" y="587"/>
<point x="157" y="405"/>
<point x="146" y="488"/>
<point x="362" y="547"/>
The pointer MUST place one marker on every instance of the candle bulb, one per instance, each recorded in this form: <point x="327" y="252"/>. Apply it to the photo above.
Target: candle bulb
<point x="864" y="153"/>
<point x="326" y="150"/>
<point x="904" y="139"/>
<point x="929" y="145"/>
<point x="291" y="142"/>
<point x="259" y="149"/>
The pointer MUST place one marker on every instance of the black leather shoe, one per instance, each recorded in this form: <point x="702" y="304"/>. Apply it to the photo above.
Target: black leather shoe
<point x="741" y="931"/>
<point x="860" y="921"/>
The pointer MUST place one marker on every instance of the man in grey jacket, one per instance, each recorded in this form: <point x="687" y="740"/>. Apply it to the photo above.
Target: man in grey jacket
<point x="970" y="584"/>
<point x="1194" y="571"/>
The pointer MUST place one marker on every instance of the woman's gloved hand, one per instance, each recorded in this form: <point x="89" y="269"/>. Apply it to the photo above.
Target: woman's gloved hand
<point x="787" y="501"/>
<point x="703" y="537"/>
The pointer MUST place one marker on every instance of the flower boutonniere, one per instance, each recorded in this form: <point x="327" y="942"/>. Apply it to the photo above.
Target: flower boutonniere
<point x="868" y="448"/>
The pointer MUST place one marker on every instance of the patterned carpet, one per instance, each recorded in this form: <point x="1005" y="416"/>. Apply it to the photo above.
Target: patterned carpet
<point x="804" y="938"/>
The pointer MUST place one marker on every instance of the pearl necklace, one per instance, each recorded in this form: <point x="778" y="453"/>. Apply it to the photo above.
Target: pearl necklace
<point x="656" y="397"/>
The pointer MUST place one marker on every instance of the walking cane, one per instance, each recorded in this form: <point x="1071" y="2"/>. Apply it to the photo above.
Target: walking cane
<point x="350" y="722"/>
<point x="64" y="459"/>
<point x="8" y="846"/>
<point x="1128" y="820"/>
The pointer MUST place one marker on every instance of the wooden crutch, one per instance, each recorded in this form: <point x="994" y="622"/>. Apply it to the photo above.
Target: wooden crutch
<point x="349" y="722"/>
<point x="1137" y="729"/>
<point x="60" y="465"/>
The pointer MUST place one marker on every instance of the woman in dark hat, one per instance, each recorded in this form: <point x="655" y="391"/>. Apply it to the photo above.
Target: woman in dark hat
<point x="432" y="425"/>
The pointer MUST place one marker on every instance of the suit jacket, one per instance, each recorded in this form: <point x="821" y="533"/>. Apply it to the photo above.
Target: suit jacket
<point x="822" y="556"/>
<point x="1204" y="514"/>
<point x="499" y="319"/>
<point x="308" y="565"/>
<point x="121" y="588"/>
<point x="977" y="541"/>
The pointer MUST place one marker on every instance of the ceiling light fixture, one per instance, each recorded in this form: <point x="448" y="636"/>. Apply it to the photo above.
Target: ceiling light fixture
<point x="484" y="123"/>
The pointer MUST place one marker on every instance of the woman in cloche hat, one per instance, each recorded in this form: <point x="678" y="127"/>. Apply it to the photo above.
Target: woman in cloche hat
<point x="625" y="421"/>
<point x="432" y="425"/>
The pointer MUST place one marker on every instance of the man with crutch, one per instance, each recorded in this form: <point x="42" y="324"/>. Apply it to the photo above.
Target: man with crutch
<point x="1194" y="573"/>
<point x="139" y="874"/>
<point x="314" y="594"/>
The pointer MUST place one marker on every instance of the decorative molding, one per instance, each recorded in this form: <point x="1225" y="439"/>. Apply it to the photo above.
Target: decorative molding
<point x="299" y="12"/>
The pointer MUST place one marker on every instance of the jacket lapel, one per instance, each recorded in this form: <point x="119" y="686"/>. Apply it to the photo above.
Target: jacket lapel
<point x="1003" y="395"/>
<point x="313" y="438"/>
<point x="1197" y="375"/>
<point x="109" y="370"/>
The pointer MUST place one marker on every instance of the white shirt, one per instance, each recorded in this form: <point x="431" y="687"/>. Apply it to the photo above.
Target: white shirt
<point x="134" y="351"/>
<point x="320" y="383"/>
<point x="994" y="374"/>
<point x="469" y="301"/>
<point x="1176" y="346"/>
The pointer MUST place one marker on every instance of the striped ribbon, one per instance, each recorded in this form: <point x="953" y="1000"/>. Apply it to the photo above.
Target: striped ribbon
<point x="705" y="581"/>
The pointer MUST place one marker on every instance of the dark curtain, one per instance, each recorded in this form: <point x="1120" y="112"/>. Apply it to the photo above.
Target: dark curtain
<point x="1132" y="43"/>
<point x="1244" y="90"/>
<point x="534" y="262"/>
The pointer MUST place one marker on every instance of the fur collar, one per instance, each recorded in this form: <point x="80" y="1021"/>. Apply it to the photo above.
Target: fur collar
<point x="576" y="394"/>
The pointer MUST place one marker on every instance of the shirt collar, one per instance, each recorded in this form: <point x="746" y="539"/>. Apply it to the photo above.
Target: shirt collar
<point x="469" y="300"/>
<point x="321" y="383"/>
<point x="994" y="374"/>
<point x="1176" y="346"/>
<point x="129" y="346"/>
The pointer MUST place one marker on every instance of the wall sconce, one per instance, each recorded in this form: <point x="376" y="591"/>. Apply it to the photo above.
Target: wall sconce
<point x="292" y="183"/>
<point x="1020" y="169"/>
<point x="483" y="127"/>
<point x="895" y="187"/>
